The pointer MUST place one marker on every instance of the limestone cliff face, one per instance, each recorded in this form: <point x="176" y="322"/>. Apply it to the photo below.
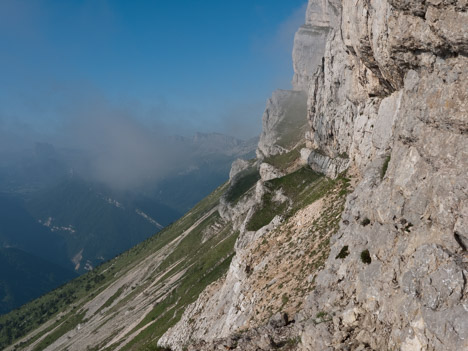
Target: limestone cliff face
<point x="310" y="40"/>
<point x="389" y="102"/>
<point x="393" y="88"/>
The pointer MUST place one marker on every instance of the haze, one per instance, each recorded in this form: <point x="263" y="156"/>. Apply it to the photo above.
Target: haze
<point x="114" y="80"/>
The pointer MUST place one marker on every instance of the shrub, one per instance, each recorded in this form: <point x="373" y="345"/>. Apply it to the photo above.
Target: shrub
<point x="365" y="257"/>
<point x="343" y="155"/>
<point x="285" y="299"/>
<point x="293" y="341"/>
<point x="343" y="253"/>
<point x="365" y="221"/>
<point x="384" y="167"/>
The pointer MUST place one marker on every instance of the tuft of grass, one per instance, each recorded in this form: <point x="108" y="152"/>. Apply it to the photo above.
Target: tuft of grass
<point x="344" y="155"/>
<point x="383" y="171"/>
<point x="293" y="341"/>
<point x="322" y="317"/>
<point x="365" y="222"/>
<point x="365" y="257"/>
<point x="343" y="253"/>
<point x="321" y="314"/>
<point x="284" y="299"/>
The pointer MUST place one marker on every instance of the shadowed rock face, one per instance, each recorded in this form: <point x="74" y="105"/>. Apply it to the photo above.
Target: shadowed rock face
<point x="389" y="102"/>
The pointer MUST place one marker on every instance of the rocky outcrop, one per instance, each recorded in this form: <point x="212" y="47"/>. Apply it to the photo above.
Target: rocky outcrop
<point x="267" y="281"/>
<point x="389" y="102"/>
<point x="320" y="162"/>
<point x="237" y="167"/>
<point x="268" y="172"/>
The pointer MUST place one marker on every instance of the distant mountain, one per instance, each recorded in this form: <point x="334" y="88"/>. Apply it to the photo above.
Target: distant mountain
<point x="95" y="224"/>
<point x="31" y="168"/>
<point x="216" y="143"/>
<point x="19" y="229"/>
<point x="24" y="277"/>
<point x="50" y="209"/>
<point x="212" y="156"/>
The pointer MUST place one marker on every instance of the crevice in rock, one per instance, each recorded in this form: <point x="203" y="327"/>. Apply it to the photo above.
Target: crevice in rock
<point x="459" y="240"/>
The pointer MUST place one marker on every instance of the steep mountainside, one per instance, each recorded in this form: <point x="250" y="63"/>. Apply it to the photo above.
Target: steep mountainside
<point x="353" y="237"/>
<point x="51" y="210"/>
<point x="131" y="301"/>
<point x="389" y="103"/>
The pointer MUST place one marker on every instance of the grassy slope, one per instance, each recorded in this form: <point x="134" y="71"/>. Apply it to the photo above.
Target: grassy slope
<point x="205" y="264"/>
<point x="302" y="187"/>
<point x="283" y="161"/>
<point x="243" y="182"/>
<point x="197" y="260"/>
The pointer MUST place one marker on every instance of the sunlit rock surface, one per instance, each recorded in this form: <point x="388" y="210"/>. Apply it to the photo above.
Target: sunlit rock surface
<point x="388" y="102"/>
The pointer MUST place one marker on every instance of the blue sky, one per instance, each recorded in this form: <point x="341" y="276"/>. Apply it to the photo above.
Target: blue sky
<point x="181" y="65"/>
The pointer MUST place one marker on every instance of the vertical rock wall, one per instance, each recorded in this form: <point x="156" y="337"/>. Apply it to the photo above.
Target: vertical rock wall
<point x="392" y="94"/>
<point x="388" y="102"/>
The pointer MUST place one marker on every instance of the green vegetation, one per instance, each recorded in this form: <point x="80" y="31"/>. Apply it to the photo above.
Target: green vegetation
<point x="72" y="296"/>
<point x="293" y="341"/>
<point x="69" y="324"/>
<point x="244" y="182"/>
<point x="343" y="155"/>
<point x="266" y="212"/>
<point x="301" y="187"/>
<point x="111" y="300"/>
<point x="205" y="263"/>
<point x="365" y="257"/>
<point x="283" y="161"/>
<point x="194" y="259"/>
<point x="321" y="314"/>
<point x="383" y="171"/>
<point x="322" y="317"/>
<point x="343" y="252"/>
<point x="168" y="312"/>
<point x="328" y="223"/>
<point x="284" y="299"/>
<point x="289" y="344"/>
<point x="365" y="222"/>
